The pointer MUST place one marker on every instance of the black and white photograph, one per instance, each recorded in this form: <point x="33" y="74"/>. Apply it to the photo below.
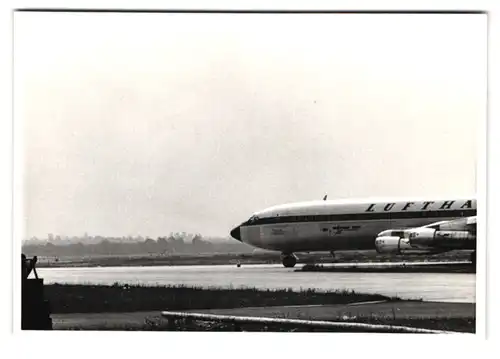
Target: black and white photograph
<point x="249" y="171"/>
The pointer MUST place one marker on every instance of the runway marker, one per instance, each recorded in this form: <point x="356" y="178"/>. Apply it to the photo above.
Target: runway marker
<point x="371" y="302"/>
<point x="316" y="324"/>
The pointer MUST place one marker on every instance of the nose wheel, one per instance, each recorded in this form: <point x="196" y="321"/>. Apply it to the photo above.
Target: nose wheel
<point x="288" y="260"/>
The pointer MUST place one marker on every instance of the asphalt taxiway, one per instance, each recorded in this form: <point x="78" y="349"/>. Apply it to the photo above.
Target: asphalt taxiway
<point x="443" y="287"/>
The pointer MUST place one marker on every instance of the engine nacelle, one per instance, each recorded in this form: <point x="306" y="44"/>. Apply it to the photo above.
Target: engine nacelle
<point x="422" y="237"/>
<point x="431" y="238"/>
<point x="392" y="244"/>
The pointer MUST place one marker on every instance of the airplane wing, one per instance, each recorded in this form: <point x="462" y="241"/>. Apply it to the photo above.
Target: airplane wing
<point x="465" y="224"/>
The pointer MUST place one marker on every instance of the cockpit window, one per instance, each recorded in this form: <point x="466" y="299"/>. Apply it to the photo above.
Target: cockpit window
<point x="253" y="219"/>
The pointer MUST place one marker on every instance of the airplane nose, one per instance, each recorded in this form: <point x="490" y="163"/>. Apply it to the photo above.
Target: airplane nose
<point x="236" y="233"/>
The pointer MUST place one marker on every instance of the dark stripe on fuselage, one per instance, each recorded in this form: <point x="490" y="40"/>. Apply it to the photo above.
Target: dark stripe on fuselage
<point x="361" y="217"/>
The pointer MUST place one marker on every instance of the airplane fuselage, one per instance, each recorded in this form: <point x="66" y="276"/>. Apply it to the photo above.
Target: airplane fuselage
<point x="342" y="225"/>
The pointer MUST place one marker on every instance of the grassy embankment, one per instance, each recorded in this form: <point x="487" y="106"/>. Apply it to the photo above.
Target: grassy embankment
<point x="124" y="298"/>
<point x="68" y="298"/>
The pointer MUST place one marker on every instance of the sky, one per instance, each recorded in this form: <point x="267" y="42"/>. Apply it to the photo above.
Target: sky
<point x="146" y="124"/>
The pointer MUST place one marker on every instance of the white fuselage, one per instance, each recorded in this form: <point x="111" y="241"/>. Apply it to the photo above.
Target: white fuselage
<point x="343" y="225"/>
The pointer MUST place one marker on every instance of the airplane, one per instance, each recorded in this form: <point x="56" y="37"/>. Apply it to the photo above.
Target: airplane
<point x="397" y="226"/>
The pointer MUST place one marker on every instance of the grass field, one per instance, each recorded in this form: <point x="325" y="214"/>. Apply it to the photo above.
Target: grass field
<point x="123" y="307"/>
<point x="65" y="298"/>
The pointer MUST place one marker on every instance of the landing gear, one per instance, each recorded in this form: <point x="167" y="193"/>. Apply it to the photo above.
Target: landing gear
<point x="473" y="258"/>
<point x="333" y="256"/>
<point x="288" y="260"/>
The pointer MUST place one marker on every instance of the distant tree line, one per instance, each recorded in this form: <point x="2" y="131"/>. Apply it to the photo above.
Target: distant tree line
<point x="173" y="244"/>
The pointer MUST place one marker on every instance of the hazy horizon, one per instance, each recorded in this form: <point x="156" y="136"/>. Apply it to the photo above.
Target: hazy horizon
<point x="146" y="124"/>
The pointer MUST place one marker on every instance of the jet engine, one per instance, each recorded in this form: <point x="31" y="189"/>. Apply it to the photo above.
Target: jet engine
<point x="396" y="242"/>
<point x="432" y="238"/>
<point x="392" y="244"/>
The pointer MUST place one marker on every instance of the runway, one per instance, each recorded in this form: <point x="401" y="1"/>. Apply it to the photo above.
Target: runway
<point x="445" y="287"/>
